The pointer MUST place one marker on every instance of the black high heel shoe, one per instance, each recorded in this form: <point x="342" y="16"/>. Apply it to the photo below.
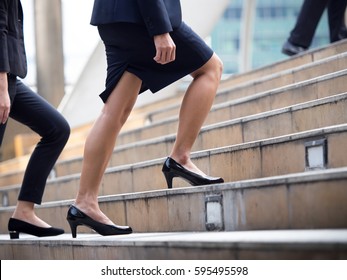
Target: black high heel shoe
<point x="16" y="226"/>
<point x="172" y="169"/>
<point x="76" y="217"/>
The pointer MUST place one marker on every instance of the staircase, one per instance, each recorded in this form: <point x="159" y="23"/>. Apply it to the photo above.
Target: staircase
<point x="277" y="135"/>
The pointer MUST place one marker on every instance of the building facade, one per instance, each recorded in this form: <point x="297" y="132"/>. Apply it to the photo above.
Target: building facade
<point x="273" y="22"/>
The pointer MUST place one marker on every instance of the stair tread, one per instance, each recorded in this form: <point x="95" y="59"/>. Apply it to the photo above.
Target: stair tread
<point x="302" y="177"/>
<point x="279" y="140"/>
<point x="328" y="238"/>
<point x="223" y="238"/>
<point x="308" y="57"/>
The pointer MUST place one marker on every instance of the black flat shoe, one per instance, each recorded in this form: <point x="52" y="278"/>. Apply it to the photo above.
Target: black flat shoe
<point x="172" y="169"/>
<point x="16" y="226"/>
<point x="292" y="49"/>
<point x="75" y="217"/>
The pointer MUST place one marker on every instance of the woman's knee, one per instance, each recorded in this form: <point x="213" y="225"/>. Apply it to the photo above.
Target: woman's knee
<point x="217" y="65"/>
<point x="65" y="130"/>
<point x="213" y="68"/>
<point x="60" y="131"/>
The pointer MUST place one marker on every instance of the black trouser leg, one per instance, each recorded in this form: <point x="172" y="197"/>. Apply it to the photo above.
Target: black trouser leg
<point x="307" y="22"/>
<point x="33" y="111"/>
<point x="336" y="13"/>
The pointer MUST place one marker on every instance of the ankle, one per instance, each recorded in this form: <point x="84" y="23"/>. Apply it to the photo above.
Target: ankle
<point x="24" y="210"/>
<point x="182" y="159"/>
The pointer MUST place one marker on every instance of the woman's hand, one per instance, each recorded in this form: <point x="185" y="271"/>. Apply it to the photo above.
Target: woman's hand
<point x="166" y="49"/>
<point x="5" y="102"/>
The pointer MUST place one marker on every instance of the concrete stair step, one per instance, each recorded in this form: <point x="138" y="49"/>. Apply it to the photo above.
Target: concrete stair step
<point x="313" y="89"/>
<point x="296" y="69"/>
<point x="256" y="245"/>
<point x="306" y="200"/>
<point x="273" y="81"/>
<point x="305" y="91"/>
<point x="289" y="77"/>
<point x="305" y="58"/>
<point x="306" y="116"/>
<point x="263" y="158"/>
<point x="290" y="94"/>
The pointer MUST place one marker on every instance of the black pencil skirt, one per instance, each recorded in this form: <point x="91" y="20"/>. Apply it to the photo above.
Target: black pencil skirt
<point x="129" y="48"/>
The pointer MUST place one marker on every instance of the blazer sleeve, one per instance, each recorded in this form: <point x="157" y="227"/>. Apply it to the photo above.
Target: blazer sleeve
<point x="155" y="16"/>
<point x="4" y="57"/>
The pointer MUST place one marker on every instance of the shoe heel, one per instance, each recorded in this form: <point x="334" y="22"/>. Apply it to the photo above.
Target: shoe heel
<point x="14" y="234"/>
<point x="73" y="227"/>
<point x="169" y="176"/>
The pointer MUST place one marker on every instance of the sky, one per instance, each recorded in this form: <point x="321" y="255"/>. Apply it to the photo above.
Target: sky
<point x="79" y="37"/>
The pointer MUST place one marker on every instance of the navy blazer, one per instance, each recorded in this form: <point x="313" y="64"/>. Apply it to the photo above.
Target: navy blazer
<point x="159" y="16"/>
<point x="12" y="50"/>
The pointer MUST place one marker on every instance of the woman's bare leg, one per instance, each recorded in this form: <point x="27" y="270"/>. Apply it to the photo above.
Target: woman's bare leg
<point x="100" y="144"/>
<point x="195" y="107"/>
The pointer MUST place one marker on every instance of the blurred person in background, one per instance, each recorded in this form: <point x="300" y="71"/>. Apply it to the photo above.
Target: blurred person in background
<point x="310" y="14"/>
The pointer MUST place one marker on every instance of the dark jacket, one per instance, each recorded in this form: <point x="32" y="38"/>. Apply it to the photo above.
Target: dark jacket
<point x="159" y="16"/>
<point x="12" y="51"/>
